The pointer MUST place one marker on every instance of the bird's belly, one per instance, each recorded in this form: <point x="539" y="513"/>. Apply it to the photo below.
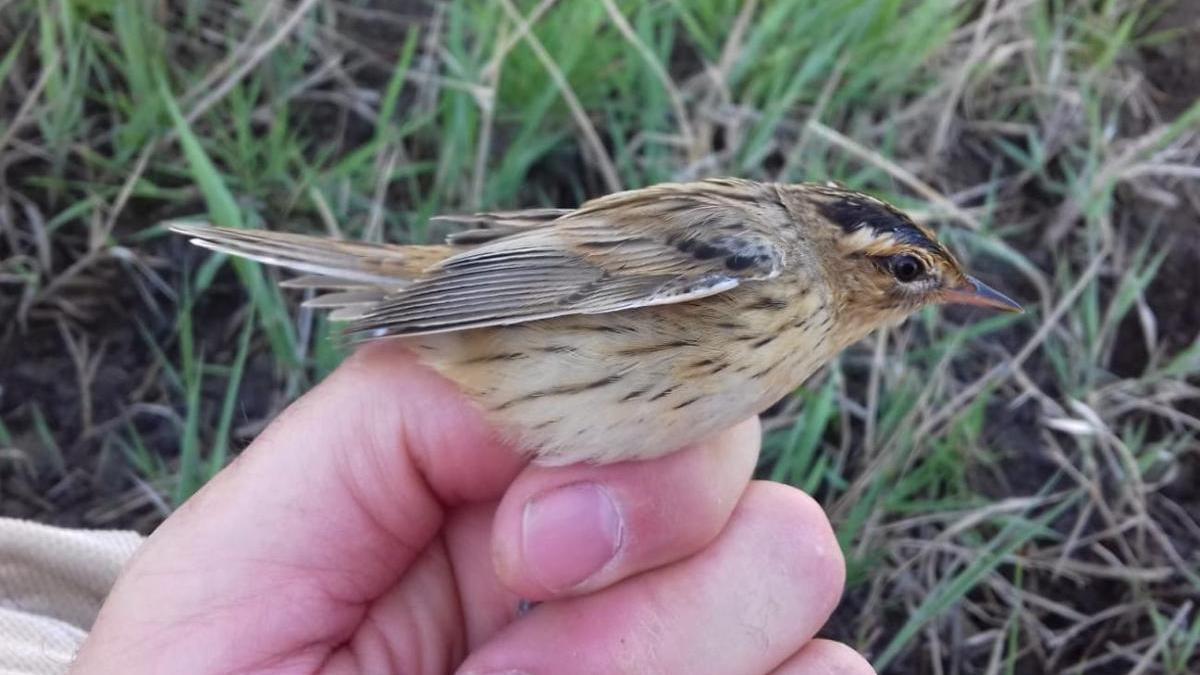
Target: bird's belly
<point x="629" y="385"/>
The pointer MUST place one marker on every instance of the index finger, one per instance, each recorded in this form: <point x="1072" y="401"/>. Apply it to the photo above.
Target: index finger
<point x="324" y="511"/>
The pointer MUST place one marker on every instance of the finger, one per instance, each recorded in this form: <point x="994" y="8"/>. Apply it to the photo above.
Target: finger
<point x="825" y="657"/>
<point x="429" y="620"/>
<point x="321" y="514"/>
<point x="742" y="605"/>
<point x="368" y="460"/>
<point x="567" y="530"/>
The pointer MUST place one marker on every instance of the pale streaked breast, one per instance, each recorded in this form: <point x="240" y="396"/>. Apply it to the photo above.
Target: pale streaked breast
<point x="638" y="383"/>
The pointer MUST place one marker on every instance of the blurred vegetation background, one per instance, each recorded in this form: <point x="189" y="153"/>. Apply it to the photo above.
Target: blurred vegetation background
<point x="1013" y="494"/>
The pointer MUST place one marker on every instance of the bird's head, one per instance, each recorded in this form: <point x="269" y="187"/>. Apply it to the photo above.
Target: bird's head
<point x="882" y="265"/>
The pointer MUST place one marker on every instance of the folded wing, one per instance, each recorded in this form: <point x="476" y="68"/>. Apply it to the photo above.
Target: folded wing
<point x="649" y="247"/>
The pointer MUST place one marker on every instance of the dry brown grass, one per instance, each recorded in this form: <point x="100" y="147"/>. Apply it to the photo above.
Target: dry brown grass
<point x="1013" y="497"/>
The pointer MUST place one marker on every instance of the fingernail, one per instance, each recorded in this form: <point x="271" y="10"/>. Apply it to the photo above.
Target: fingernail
<point x="569" y="534"/>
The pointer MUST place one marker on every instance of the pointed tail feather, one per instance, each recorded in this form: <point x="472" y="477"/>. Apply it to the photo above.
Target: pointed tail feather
<point x="485" y="227"/>
<point x="319" y="282"/>
<point x="343" y="263"/>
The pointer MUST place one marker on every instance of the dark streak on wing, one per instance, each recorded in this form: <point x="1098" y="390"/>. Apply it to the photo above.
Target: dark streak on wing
<point x="603" y="244"/>
<point x="738" y="253"/>
<point x="752" y="198"/>
<point x="679" y="207"/>
<point x="552" y="263"/>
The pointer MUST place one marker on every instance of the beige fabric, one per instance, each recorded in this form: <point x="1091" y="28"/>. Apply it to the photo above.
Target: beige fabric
<point x="52" y="581"/>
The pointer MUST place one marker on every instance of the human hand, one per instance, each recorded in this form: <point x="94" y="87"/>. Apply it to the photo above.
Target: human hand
<point x="377" y="526"/>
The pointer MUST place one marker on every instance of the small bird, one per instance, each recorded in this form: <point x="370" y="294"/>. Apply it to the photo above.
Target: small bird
<point x="640" y="321"/>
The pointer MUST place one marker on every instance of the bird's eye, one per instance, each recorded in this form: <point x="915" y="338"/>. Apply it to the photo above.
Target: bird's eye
<point x="906" y="268"/>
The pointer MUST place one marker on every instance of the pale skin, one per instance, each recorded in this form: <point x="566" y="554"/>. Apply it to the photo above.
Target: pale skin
<point x="378" y="527"/>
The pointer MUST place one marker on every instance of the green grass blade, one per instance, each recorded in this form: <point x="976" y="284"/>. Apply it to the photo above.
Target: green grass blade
<point x="223" y="210"/>
<point x="222" y="207"/>
<point x="952" y="590"/>
<point x="220" y="450"/>
<point x="187" y="478"/>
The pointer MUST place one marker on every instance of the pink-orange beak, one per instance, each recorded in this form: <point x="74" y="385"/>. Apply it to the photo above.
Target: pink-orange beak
<point x="977" y="293"/>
